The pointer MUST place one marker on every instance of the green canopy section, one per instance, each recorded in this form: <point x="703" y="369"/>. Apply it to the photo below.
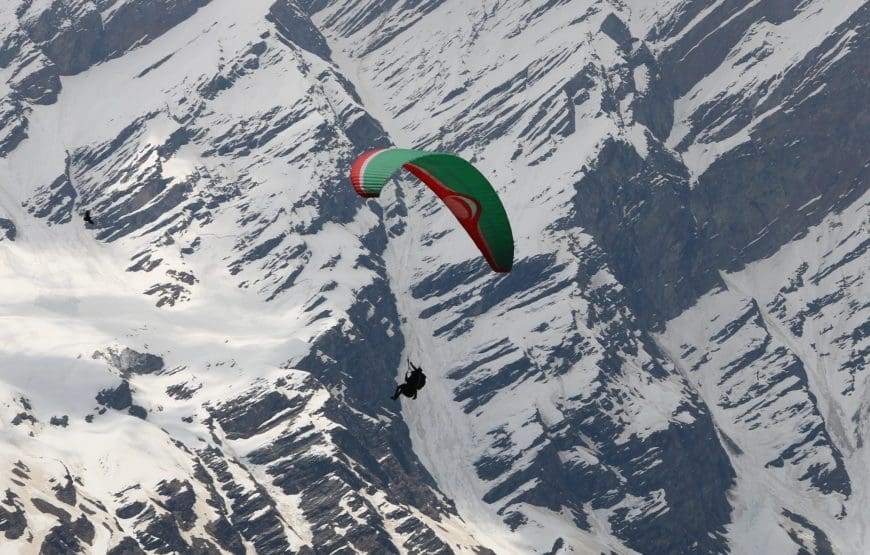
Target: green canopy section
<point x="464" y="190"/>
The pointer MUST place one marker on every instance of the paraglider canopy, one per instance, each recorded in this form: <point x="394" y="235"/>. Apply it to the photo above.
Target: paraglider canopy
<point x="464" y="190"/>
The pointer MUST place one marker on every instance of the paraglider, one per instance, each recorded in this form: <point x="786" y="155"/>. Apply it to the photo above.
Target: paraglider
<point x="464" y="190"/>
<point x="414" y="381"/>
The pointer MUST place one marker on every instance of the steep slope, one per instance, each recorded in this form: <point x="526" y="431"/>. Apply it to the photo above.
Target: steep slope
<point x="780" y="356"/>
<point x="642" y="147"/>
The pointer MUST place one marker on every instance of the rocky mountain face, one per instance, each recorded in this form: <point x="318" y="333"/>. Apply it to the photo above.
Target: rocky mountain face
<point x="676" y="364"/>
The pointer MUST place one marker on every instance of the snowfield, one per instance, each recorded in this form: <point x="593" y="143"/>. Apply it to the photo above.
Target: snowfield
<point x="676" y="364"/>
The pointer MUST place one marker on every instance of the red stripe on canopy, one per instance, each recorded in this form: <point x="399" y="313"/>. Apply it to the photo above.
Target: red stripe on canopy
<point x="357" y="172"/>
<point x="469" y="218"/>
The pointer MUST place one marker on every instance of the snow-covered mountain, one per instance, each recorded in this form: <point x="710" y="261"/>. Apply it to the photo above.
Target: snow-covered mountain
<point x="676" y="364"/>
